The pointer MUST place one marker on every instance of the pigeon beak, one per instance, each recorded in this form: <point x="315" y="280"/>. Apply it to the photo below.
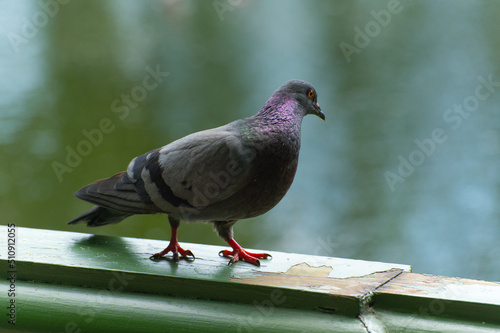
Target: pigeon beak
<point x="318" y="111"/>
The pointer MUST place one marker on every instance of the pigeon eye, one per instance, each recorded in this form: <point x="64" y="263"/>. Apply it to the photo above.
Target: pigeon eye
<point x="310" y="93"/>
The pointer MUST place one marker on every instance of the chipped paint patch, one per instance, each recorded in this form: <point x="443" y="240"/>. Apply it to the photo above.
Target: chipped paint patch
<point x="317" y="280"/>
<point x="444" y="288"/>
<point x="303" y="269"/>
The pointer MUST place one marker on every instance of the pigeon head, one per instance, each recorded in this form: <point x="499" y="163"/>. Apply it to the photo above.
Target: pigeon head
<point x="304" y="93"/>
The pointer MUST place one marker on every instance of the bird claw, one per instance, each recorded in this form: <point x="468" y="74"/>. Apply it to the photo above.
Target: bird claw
<point x="176" y="250"/>
<point x="155" y="256"/>
<point x="225" y="253"/>
<point x="242" y="255"/>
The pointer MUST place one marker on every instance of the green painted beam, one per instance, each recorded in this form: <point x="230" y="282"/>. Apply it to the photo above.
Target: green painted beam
<point x="74" y="282"/>
<point x="307" y="282"/>
<point x="55" y="308"/>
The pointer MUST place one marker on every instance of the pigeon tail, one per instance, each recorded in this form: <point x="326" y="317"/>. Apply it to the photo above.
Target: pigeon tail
<point x="117" y="193"/>
<point x="99" y="216"/>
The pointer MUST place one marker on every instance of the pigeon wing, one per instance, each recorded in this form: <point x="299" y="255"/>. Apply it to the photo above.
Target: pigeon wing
<point x="196" y="171"/>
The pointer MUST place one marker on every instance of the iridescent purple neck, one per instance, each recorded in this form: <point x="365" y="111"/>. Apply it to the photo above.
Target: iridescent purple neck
<point x="282" y="109"/>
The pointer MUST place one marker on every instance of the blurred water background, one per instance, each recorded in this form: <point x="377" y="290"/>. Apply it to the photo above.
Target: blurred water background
<point x="405" y="169"/>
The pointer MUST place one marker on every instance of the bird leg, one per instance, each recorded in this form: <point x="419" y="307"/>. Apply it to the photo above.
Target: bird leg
<point x="239" y="253"/>
<point x="174" y="245"/>
<point x="225" y="231"/>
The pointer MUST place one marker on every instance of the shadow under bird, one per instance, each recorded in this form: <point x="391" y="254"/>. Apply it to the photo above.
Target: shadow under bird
<point x="221" y="175"/>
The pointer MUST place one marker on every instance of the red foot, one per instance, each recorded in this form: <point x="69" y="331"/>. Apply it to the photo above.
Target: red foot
<point x="239" y="253"/>
<point x="176" y="250"/>
<point x="174" y="247"/>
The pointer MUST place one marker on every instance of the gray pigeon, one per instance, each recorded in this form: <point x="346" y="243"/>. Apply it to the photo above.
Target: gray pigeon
<point x="220" y="175"/>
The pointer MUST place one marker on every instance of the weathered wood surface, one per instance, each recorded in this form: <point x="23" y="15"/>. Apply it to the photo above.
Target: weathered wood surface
<point x="68" y="281"/>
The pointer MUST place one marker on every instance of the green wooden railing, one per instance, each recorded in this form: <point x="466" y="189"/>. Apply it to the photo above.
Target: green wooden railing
<point x="74" y="282"/>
